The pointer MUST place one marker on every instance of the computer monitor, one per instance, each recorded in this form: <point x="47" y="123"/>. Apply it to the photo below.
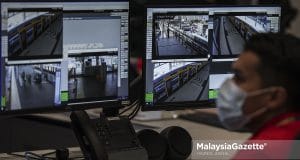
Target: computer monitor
<point x="189" y="50"/>
<point x="63" y="55"/>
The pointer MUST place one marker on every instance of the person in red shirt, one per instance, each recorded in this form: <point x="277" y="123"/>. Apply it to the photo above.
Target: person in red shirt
<point x="264" y="94"/>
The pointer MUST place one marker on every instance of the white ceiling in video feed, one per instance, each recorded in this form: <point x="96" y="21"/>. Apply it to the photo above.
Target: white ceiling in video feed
<point x="171" y="31"/>
<point x="17" y="18"/>
<point x="231" y="32"/>
<point x="100" y="35"/>
<point x="216" y="80"/>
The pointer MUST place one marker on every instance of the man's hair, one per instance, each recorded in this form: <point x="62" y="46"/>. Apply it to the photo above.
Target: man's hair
<point x="279" y="56"/>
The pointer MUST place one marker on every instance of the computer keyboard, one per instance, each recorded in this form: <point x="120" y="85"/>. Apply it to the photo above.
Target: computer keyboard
<point x="206" y="118"/>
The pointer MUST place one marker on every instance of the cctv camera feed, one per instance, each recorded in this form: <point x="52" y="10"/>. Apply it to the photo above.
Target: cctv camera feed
<point x="180" y="35"/>
<point x="34" y="33"/>
<point x="91" y="31"/>
<point x="231" y="32"/>
<point x="96" y="44"/>
<point x="180" y="81"/>
<point x="93" y="77"/>
<point x="32" y="86"/>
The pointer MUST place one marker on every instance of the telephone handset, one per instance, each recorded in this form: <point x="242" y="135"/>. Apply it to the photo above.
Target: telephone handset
<point x="85" y="131"/>
<point x="107" y="138"/>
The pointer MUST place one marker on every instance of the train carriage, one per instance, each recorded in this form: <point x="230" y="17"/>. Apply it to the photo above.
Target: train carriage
<point x="14" y="43"/>
<point x="23" y="35"/>
<point x="165" y="85"/>
<point x="29" y="34"/>
<point x="244" y="29"/>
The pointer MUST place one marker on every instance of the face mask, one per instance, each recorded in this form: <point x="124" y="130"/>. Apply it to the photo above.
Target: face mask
<point x="230" y="104"/>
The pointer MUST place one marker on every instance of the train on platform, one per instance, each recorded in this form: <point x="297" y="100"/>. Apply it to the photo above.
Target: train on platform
<point x="243" y="28"/>
<point x="167" y="84"/>
<point x="21" y="36"/>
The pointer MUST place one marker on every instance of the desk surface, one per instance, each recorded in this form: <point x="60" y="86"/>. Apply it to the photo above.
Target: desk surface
<point x="198" y="132"/>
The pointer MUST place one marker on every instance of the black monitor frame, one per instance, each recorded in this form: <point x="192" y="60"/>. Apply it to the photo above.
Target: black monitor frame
<point x="210" y="103"/>
<point x="109" y="104"/>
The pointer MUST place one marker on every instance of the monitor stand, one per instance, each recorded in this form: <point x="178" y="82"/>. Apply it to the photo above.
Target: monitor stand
<point x="111" y="112"/>
<point x="114" y="112"/>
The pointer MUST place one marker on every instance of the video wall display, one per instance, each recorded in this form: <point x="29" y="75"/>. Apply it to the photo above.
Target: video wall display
<point x="56" y="54"/>
<point x="190" y="51"/>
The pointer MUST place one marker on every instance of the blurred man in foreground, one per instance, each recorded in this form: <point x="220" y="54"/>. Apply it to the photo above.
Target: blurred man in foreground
<point x="264" y="94"/>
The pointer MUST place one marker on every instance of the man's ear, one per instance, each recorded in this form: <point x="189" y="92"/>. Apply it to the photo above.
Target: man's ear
<point x="278" y="98"/>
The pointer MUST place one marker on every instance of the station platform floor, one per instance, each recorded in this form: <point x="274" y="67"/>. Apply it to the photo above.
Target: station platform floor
<point x="195" y="89"/>
<point x="90" y="87"/>
<point x="229" y="39"/>
<point x="27" y="94"/>
<point x="172" y="46"/>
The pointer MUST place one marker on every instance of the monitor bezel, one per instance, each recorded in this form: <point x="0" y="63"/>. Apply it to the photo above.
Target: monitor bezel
<point x="114" y="103"/>
<point x="210" y="103"/>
